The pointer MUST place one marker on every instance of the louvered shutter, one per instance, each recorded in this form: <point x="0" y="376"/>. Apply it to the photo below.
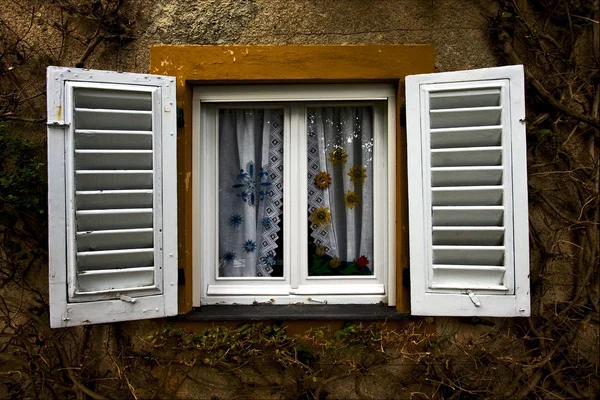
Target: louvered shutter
<point x="468" y="193"/>
<point x="112" y="196"/>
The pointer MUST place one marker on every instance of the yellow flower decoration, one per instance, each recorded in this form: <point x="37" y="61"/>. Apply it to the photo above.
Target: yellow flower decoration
<point x="357" y="174"/>
<point x="321" y="250"/>
<point x="351" y="199"/>
<point x="322" y="180"/>
<point x="338" y="156"/>
<point x="335" y="262"/>
<point x="321" y="216"/>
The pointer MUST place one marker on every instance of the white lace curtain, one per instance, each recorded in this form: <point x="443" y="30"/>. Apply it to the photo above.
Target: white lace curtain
<point x="340" y="156"/>
<point x="340" y="183"/>
<point x="250" y="190"/>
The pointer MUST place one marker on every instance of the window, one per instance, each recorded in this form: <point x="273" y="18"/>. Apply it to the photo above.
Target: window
<point x="292" y="197"/>
<point x="113" y="187"/>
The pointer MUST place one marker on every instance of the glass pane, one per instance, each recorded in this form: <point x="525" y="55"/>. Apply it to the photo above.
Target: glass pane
<point x="340" y="191"/>
<point x="250" y="192"/>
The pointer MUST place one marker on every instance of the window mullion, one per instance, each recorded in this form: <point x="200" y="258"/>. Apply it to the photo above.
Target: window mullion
<point x="296" y="188"/>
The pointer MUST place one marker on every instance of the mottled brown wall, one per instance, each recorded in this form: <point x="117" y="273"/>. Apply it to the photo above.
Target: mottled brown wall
<point x="457" y="28"/>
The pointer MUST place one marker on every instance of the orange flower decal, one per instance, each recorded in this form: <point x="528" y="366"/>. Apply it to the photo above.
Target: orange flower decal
<point x="321" y="250"/>
<point x="357" y="174"/>
<point x="321" y="216"/>
<point x="322" y="180"/>
<point x="335" y="262"/>
<point x="338" y="156"/>
<point x="351" y="199"/>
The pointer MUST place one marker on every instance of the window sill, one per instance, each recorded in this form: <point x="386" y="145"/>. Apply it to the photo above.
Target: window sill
<point x="350" y="312"/>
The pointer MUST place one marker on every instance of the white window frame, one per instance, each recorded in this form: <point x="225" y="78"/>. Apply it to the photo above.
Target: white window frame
<point x="293" y="287"/>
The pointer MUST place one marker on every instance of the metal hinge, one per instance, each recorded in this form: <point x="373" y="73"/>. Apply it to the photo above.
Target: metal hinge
<point x="58" y="123"/>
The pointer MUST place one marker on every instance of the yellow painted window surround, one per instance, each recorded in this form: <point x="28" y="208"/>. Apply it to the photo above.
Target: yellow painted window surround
<point x="210" y="65"/>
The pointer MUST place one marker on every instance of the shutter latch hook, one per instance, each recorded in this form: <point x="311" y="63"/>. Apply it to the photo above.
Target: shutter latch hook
<point x="474" y="298"/>
<point x="127" y="299"/>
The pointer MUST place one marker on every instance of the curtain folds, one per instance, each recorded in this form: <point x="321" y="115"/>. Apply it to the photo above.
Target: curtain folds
<point x="250" y="190"/>
<point x="340" y="191"/>
<point x="340" y="182"/>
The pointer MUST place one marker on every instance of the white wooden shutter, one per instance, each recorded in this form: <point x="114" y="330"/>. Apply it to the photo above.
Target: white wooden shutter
<point x="112" y="196"/>
<point x="469" y="252"/>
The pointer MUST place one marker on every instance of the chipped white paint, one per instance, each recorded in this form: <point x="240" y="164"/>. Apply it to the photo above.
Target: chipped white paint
<point x="112" y="202"/>
<point x="469" y="251"/>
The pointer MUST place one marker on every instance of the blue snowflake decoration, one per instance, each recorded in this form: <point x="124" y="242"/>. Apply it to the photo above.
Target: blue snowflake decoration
<point x="266" y="222"/>
<point x="252" y="186"/>
<point x="229" y="256"/>
<point x="249" y="246"/>
<point x="235" y="220"/>
<point x="269" y="259"/>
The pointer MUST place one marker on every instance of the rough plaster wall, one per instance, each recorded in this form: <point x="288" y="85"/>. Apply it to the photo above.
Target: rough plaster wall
<point x="457" y="28"/>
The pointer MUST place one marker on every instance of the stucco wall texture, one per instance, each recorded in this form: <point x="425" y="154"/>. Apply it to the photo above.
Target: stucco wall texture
<point x="457" y="28"/>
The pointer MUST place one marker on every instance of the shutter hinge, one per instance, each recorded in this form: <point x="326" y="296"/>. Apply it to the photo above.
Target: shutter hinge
<point x="127" y="299"/>
<point x="180" y="120"/>
<point x="403" y="115"/>
<point x="474" y="298"/>
<point x="57" y="123"/>
<point x="406" y="277"/>
<point x="181" y="276"/>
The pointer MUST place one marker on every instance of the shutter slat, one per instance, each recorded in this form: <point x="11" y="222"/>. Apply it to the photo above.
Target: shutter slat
<point x="466" y="176"/>
<point x="465" y="98"/>
<point x="452" y="267"/>
<point x="115" y="280"/>
<point x="111" y="111"/>
<point x="108" y="192"/>
<point x="468" y="235"/>
<point x="113" y="139"/>
<point x="93" y="220"/>
<point x="115" y="259"/>
<point x="116" y="99"/>
<point x="117" y="159"/>
<point x="468" y="215"/>
<point x="469" y="255"/>
<point x="469" y="277"/>
<point x="113" y="179"/>
<point x="115" y="239"/>
<point x="113" y="119"/>
<point x="111" y="132"/>
<point x="462" y="286"/>
<point x="459" y="157"/>
<point x="463" y="117"/>
<point x="467" y="195"/>
<point x="113" y="199"/>
<point x="475" y="136"/>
